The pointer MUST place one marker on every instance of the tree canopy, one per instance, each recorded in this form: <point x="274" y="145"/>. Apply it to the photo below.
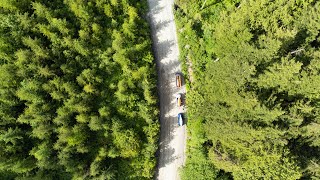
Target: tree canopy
<point x="256" y="87"/>
<point x="77" y="90"/>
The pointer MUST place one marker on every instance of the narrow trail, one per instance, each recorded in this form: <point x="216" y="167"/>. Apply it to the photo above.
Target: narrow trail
<point x="172" y="143"/>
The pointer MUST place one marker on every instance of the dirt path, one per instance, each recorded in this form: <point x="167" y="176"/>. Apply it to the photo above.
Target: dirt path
<point x="172" y="137"/>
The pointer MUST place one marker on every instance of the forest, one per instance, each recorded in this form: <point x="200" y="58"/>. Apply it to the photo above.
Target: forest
<point x="253" y="88"/>
<point x="77" y="90"/>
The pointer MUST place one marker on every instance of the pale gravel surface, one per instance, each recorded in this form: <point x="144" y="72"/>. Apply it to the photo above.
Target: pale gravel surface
<point x="172" y="143"/>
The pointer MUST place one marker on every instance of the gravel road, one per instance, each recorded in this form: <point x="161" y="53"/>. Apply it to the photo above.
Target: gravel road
<point x="172" y="137"/>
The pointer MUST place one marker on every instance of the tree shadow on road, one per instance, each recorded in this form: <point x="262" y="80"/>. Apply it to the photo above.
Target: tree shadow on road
<point x="161" y="25"/>
<point x="156" y="8"/>
<point x="167" y="152"/>
<point x="168" y="120"/>
<point x="153" y="12"/>
<point x="162" y="49"/>
<point x="167" y="63"/>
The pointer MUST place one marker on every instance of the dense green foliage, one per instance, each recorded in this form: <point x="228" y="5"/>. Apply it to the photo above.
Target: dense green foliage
<point x="255" y="89"/>
<point x="77" y="83"/>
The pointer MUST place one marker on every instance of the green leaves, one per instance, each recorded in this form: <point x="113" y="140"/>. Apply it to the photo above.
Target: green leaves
<point x="280" y="76"/>
<point x="256" y="87"/>
<point x="125" y="141"/>
<point x="269" y="166"/>
<point x="68" y="70"/>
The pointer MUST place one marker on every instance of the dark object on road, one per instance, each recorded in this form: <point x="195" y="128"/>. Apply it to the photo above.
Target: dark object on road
<point x="178" y="79"/>
<point x="180" y="119"/>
